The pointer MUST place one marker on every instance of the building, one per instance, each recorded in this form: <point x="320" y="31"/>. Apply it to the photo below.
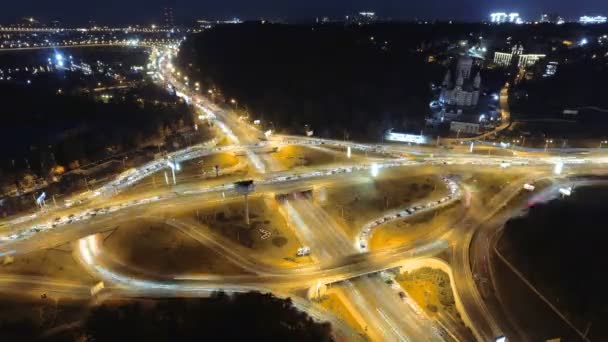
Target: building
<point x="464" y="127"/>
<point x="362" y="18"/>
<point x="516" y="57"/>
<point x="551" y="18"/>
<point x="598" y="19"/>
<point x="206" y="24"/>
<point x="404" y="137"/>
<point x="460" y="87"/>
<point x="502" y="17"/>
<point x="550" y="69"/>
<point x="168" y="21"/>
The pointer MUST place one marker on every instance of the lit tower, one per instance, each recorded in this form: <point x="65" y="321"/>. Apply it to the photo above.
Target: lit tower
<point x="168" y="16"/>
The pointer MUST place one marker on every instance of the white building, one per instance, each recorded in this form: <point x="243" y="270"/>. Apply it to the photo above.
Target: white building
<point x="407" y="138"/>
<point x="460" y="88"/>
<point x="598" y="19"/>
<point x="551" y="69"/>
<point x="464" y="127"/>
<point x="523" y="60"/>
<point x="502" y="17"/>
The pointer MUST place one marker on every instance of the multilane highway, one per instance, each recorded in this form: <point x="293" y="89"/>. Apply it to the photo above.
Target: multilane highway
<point x="338" y="259"/>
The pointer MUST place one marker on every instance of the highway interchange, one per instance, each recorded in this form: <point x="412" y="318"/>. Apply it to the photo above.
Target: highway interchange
<point x="355" y="269"/>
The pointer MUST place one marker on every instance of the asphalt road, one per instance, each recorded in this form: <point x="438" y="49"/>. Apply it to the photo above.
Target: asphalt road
<point x="337" y="260"/>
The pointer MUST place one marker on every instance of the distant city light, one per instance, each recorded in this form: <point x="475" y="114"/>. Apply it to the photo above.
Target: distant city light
<point x="502" y="17"/>
<point x="367" y="14"/>
<point x="559" y="167"/>
<point x="407" y="138"/>
<point x="583" y="42"/>
<point x="593" y="20"/>
<point x="375" y="169"/>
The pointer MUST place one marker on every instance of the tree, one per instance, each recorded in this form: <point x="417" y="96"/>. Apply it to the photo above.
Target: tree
<point x="250" y="316"/>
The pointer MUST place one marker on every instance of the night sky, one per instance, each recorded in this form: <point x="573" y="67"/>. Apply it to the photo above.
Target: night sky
<point x="149" y="11"/>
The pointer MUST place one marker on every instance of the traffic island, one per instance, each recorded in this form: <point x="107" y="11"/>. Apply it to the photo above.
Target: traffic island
<point x="154" y="247"/>
<point x="355" y="205"/>
<point x="54" y="264"/>
<point x="267" y="238"/>
<point x="429" y="285"/>
<point x="293" y="156"/>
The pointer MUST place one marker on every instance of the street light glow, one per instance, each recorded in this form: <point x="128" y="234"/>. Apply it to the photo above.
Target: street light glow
<point x="374" y="170"/>
<point x="559" y="166"/>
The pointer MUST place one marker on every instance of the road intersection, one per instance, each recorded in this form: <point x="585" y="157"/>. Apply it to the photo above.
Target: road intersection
<point x="338" y="259"/>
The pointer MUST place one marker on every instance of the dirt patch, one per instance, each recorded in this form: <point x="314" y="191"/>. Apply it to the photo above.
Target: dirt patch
<point x="298" y="156"/>
<point x="56" y="263"/>
<point x="268" y="236"/>
<point x="158" y="248"/>
<point x="333" y="303"/>
<point x="354" y="206"/>
<point x="417" y="227"/>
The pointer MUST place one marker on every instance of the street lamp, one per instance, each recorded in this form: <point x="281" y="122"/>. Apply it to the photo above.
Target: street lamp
<point x="602" y="142"/>
<point x="547" y="142"/>
<point x="374" y="170"/>
<point x="559" y="166"/>
<point x="173" y="166"/>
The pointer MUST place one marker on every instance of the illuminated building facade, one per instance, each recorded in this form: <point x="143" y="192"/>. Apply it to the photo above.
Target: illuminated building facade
<point x="460" y="87"/>
<point x="516" y="56"/>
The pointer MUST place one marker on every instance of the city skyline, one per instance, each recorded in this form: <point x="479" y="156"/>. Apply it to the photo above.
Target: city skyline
<point x="70" y="12"/>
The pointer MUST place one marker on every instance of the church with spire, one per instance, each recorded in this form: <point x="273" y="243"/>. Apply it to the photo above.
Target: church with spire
<point x="462" y="85"/>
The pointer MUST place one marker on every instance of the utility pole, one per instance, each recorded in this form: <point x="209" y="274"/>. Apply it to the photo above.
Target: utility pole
<point x="246" y="209"/>
<point x="245" y="188"/>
